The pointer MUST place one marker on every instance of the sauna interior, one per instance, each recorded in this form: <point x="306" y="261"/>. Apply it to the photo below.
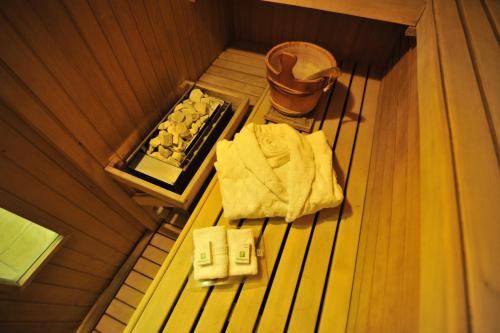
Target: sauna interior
<point x="413" y="122"/>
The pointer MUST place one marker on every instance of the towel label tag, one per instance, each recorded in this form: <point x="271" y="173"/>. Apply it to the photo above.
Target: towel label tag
<point x="242" y="254"/>
<point x="204" y="254"/>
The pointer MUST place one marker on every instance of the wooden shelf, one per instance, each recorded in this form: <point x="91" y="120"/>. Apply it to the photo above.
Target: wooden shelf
<point x="405" y="12"/>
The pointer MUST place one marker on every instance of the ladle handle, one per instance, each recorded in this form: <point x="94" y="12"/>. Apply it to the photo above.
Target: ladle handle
<point x="332" y="72"/>
<point x="288" y="61"/>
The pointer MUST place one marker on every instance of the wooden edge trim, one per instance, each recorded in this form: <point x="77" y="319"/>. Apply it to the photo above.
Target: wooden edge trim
<point x="145" y="199"/>
<point x="395" y="12"/>
<point x="443" y="305"/>
<point x="35" y="268"/>
<point x="100" y="305"/>
<point x="154" y="190"/>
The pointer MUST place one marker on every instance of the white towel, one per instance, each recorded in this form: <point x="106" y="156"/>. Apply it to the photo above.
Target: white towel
<point x="237" y="241"/>
<point x="273" y="170"/>
<point x="213" y="239"/>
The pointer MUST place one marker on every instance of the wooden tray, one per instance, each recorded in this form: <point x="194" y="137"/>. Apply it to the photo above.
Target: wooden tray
<point x="165" y="197"/>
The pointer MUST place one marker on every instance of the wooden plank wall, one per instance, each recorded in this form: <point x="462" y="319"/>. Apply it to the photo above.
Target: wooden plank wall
<point x="350" y="38"/>
<point x="400" y="11"/>
<point x="459" y="66"/>
<point x="125" y="301"/>
<point x="385" y="295"/>
<point x="77" y="78"/>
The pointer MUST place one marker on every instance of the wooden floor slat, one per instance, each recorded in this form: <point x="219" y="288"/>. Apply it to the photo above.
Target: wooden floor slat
<point x="241" y="68"/>
<point x="310" y="290"/>
<point x="154" y="254"/>
<point x="253" y="80"/>
<point x="279" y="302"/>
<point x="138" y="281"/>
<point x="147" y="267"/>
<point x="250" y="298"/>
<point x="339" y="284"/>
<point x="129" y="295"/>
<point x="256" y="62"/>
<point x="162" y="242"/>
<point x="109" y="325"/>
<point x="120" y="311"/>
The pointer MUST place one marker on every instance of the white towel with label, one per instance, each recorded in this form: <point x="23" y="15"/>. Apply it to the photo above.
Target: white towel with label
<point x="210" y="259"/>
<point x="273" y="170"/>
<point x="242" y="258"/>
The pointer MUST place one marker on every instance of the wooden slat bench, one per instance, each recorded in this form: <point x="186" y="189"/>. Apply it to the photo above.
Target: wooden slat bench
<point x="310" y="262"/>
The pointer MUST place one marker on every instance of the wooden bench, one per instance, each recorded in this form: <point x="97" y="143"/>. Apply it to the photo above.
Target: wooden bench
<point x="310" y="262"/>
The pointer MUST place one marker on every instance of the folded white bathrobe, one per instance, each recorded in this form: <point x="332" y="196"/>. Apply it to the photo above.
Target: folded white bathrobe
<point x="215" y="238"/>
<point x="273" y="170"/>
<point x="235" y="239"/>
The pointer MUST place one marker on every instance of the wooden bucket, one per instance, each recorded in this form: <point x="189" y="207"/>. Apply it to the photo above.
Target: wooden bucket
<point x="291" y="66"/>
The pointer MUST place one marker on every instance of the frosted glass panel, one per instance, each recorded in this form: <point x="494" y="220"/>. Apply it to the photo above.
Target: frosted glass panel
<point x="21" y="243"/>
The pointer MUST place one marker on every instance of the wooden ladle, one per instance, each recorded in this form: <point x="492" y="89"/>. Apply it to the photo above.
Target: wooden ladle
<point x="332" y="71"/>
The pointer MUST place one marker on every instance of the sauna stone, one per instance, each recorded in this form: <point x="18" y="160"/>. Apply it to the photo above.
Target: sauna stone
<point x="181" y="126"/>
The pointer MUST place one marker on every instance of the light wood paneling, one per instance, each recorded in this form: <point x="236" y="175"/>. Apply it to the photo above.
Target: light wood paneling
<point x="39" y="292"/>
<point x="19" y="312"/>
<point x="336" y="298"/>
<point x="347" y="37"/>
<point x="484" y="48"/>
<point x="385" y="293"/>
<point x="492" y="8"/>
<point x="38" y="327"/>
<point x="77" y="80"/>
<point x="464" y="45"/>
<point x="443" y="306"/>
<point x="238" y="71"/>
<point x="399" y="11"/>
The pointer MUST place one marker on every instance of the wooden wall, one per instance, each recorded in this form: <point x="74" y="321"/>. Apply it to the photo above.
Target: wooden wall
<point x="458" y="71"/>
<point x="400" y="11"/>
<point x="347" y="37"/>
<point x="385" y="295"/>
<point x="77" y="78"/>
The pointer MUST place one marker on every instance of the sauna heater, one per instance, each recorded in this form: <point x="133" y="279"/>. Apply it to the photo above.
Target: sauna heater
<point x="171" y="177"/>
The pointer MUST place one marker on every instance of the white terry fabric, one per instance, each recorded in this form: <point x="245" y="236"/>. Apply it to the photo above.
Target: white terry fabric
<point x="273" y="170"/>
<point x="217" y="237"/>
<point x="236" y="238"/>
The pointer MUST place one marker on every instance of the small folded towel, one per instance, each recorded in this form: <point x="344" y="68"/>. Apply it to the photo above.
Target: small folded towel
<point x="242" y="259"/>
<point x="210" y="253"/>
